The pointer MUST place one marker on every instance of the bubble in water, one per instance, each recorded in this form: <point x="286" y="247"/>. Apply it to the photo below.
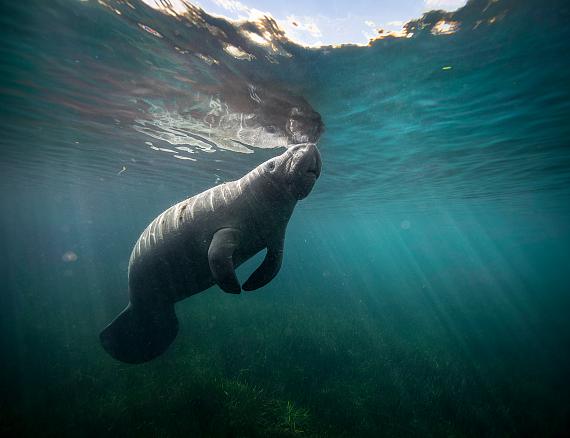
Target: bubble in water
<point x="405" y="225"/>
<point x="69" y="256"/>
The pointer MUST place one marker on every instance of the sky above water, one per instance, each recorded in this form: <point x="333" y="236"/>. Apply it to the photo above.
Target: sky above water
<point x="324" y="22"/>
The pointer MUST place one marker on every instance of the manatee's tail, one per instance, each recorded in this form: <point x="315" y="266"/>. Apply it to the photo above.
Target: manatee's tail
<point x="137" y="336"/>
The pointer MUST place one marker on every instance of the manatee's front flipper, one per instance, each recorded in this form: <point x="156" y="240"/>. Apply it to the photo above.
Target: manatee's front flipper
<point x="220" y="258"/>
<point x="139" y="335"/>
<point x="268" y="269"/>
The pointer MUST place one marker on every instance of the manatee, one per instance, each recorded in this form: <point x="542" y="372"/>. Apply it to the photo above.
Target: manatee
<point x="200" y="242"/>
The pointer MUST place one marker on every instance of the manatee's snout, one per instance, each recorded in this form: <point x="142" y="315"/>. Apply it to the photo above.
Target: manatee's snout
<point x="306" y="158"/>
<point x="316" y="164"/>
<point x="305" y="168"/>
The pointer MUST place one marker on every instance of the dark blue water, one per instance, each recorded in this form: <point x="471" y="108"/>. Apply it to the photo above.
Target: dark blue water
<point x="425" y="288"/>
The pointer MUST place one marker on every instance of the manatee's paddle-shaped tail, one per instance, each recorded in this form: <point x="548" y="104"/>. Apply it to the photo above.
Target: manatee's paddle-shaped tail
<point x="137" y="336"/>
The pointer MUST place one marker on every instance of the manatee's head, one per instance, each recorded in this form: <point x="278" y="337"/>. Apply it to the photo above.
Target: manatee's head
<point x="297" y="169"/>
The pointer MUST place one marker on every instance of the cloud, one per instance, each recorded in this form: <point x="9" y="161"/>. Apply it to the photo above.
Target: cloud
<point x="233" y="5"/>
<point x="241" y="10"/>
<point x="447" y="5"/>
<point x="294" y="24"/>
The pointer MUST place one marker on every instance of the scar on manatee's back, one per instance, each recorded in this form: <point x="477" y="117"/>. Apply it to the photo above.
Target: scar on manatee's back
<point x="181" y="215"/>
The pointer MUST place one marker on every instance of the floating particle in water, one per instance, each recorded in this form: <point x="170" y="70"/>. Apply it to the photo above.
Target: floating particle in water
<point x="150" y="30"/>
<point x="122" y="170"/>
<point x="405" y="225"/>
<point x="69" y="257"/>
<point x="447" y="67"/>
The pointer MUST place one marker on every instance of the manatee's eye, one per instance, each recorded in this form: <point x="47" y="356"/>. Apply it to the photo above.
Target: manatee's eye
<point x="271" y="166"/>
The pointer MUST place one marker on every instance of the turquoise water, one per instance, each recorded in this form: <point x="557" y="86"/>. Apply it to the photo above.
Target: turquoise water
<point x="425" y="286"/>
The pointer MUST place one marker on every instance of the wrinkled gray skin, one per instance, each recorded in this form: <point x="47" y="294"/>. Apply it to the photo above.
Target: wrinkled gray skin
<point x="200" y="241"/>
